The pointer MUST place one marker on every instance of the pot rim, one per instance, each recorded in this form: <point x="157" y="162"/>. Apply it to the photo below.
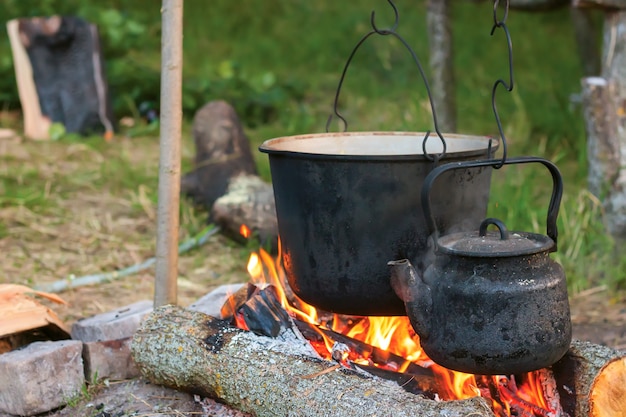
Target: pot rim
<point x="376" y="145"/>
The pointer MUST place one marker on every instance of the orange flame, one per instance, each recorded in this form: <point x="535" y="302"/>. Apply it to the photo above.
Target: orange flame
<point x="245" y="231"/>
<point x="393" y="334"/>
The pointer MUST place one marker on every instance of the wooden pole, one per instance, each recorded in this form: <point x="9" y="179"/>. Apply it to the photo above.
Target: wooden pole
<point x="169" y="161"/>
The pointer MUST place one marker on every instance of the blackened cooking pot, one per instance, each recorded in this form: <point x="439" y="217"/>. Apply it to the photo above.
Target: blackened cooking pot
<point x="348" y="202"/>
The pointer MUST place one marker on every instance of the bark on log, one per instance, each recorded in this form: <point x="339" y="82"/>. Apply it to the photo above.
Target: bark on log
<point x="189" y="351"/>
<point x="576" y="372"/>
<point x="442" y="63"/>
<point x="608" y="393"/>
<point x="602" y="143"/>
<point x="614" y="70"/>
<point x="605" y="111"/>
<point x="248" y="200"/>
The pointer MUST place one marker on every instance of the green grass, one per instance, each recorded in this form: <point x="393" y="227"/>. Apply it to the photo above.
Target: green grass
<point x="291" y="53"/>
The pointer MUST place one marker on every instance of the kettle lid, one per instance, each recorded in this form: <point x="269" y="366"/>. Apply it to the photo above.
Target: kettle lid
<point x="500" y="243"/>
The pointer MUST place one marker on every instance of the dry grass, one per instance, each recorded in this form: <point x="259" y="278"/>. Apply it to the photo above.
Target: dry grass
<point x="78" y="208"/>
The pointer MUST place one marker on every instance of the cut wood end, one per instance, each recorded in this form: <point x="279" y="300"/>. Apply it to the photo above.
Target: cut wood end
<point x="607" y="397"/>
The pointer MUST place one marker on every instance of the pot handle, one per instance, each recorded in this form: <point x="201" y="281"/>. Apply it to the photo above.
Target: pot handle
<point x="386" y="32"/>
<point x="482" y="230"/>
<point x="555" y="199"/>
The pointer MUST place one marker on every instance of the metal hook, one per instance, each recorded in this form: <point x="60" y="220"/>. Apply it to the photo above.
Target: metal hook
<point x="385" y="32"/>
<point x="395" y="24"/>
<point x="496" y="21"/>
<point x="509" y="86"/>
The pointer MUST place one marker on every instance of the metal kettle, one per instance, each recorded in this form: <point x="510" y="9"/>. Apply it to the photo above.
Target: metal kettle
<point x="491" y="302"/>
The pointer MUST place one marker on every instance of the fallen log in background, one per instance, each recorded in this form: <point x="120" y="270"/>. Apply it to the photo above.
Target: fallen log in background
<point x="193" y="352"/>
<point x="224" y="179"/>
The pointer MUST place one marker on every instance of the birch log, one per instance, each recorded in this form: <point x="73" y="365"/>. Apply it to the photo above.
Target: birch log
<point x="604" y="102"/>
<point x="614" y="70"/>
<point x="193" y="352"/>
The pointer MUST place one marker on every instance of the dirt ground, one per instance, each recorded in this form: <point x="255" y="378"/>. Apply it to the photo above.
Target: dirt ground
<point x="80" y="229"/>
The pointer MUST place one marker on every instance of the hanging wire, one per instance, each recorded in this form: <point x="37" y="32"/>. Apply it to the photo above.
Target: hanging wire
<point x="385" y="32"/>
<point x="500" y="23"/>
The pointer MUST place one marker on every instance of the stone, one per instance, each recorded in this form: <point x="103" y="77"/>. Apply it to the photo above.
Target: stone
<point x="212" y="302"/>
<point x="40" y="377"/>
<point x="113" y="325"/>
<point x="109" y="359"/>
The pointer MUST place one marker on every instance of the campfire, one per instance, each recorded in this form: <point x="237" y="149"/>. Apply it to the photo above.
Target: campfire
<point x="384" y="346"/>
<point x="314" y="363"/>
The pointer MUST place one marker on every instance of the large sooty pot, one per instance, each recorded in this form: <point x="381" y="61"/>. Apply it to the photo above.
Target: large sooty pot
<point x="491" y="302"/>
<point x="349" y="202"/>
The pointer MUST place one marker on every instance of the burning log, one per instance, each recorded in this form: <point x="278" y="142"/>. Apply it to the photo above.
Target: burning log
<point x="196" y="353"/>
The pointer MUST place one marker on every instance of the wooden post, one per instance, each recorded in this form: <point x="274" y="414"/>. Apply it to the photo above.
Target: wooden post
<point x="442" y="63"/>
<point x="169" y="162"/>
<point x="605" y="113"/>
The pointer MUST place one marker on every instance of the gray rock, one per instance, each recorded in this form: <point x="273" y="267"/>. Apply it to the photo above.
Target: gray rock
<point x="212" y="302"/>
<point x="109" y="359"/>
<point x="113" y="325"/>
<point x="40" y="377"/>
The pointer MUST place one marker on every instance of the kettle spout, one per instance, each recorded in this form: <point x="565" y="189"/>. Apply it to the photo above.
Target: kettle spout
<point x="410" y="287"/>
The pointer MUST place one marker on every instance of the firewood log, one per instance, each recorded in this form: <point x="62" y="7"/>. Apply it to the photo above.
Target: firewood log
<point x="576" y="372"/>
<point x="608" y="392"/>
<point x="193" y="352"/>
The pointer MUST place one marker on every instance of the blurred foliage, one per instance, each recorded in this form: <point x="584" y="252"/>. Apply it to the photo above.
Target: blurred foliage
<point x="130" y="35"/>
<point x="278" y="62"/>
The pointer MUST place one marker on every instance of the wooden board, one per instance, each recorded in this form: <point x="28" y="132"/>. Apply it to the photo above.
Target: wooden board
<point x="20" y="312"/>
<point x="36" y="125"/>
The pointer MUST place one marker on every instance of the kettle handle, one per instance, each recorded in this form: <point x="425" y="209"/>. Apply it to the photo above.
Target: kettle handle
<point x="555" y="199"/>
